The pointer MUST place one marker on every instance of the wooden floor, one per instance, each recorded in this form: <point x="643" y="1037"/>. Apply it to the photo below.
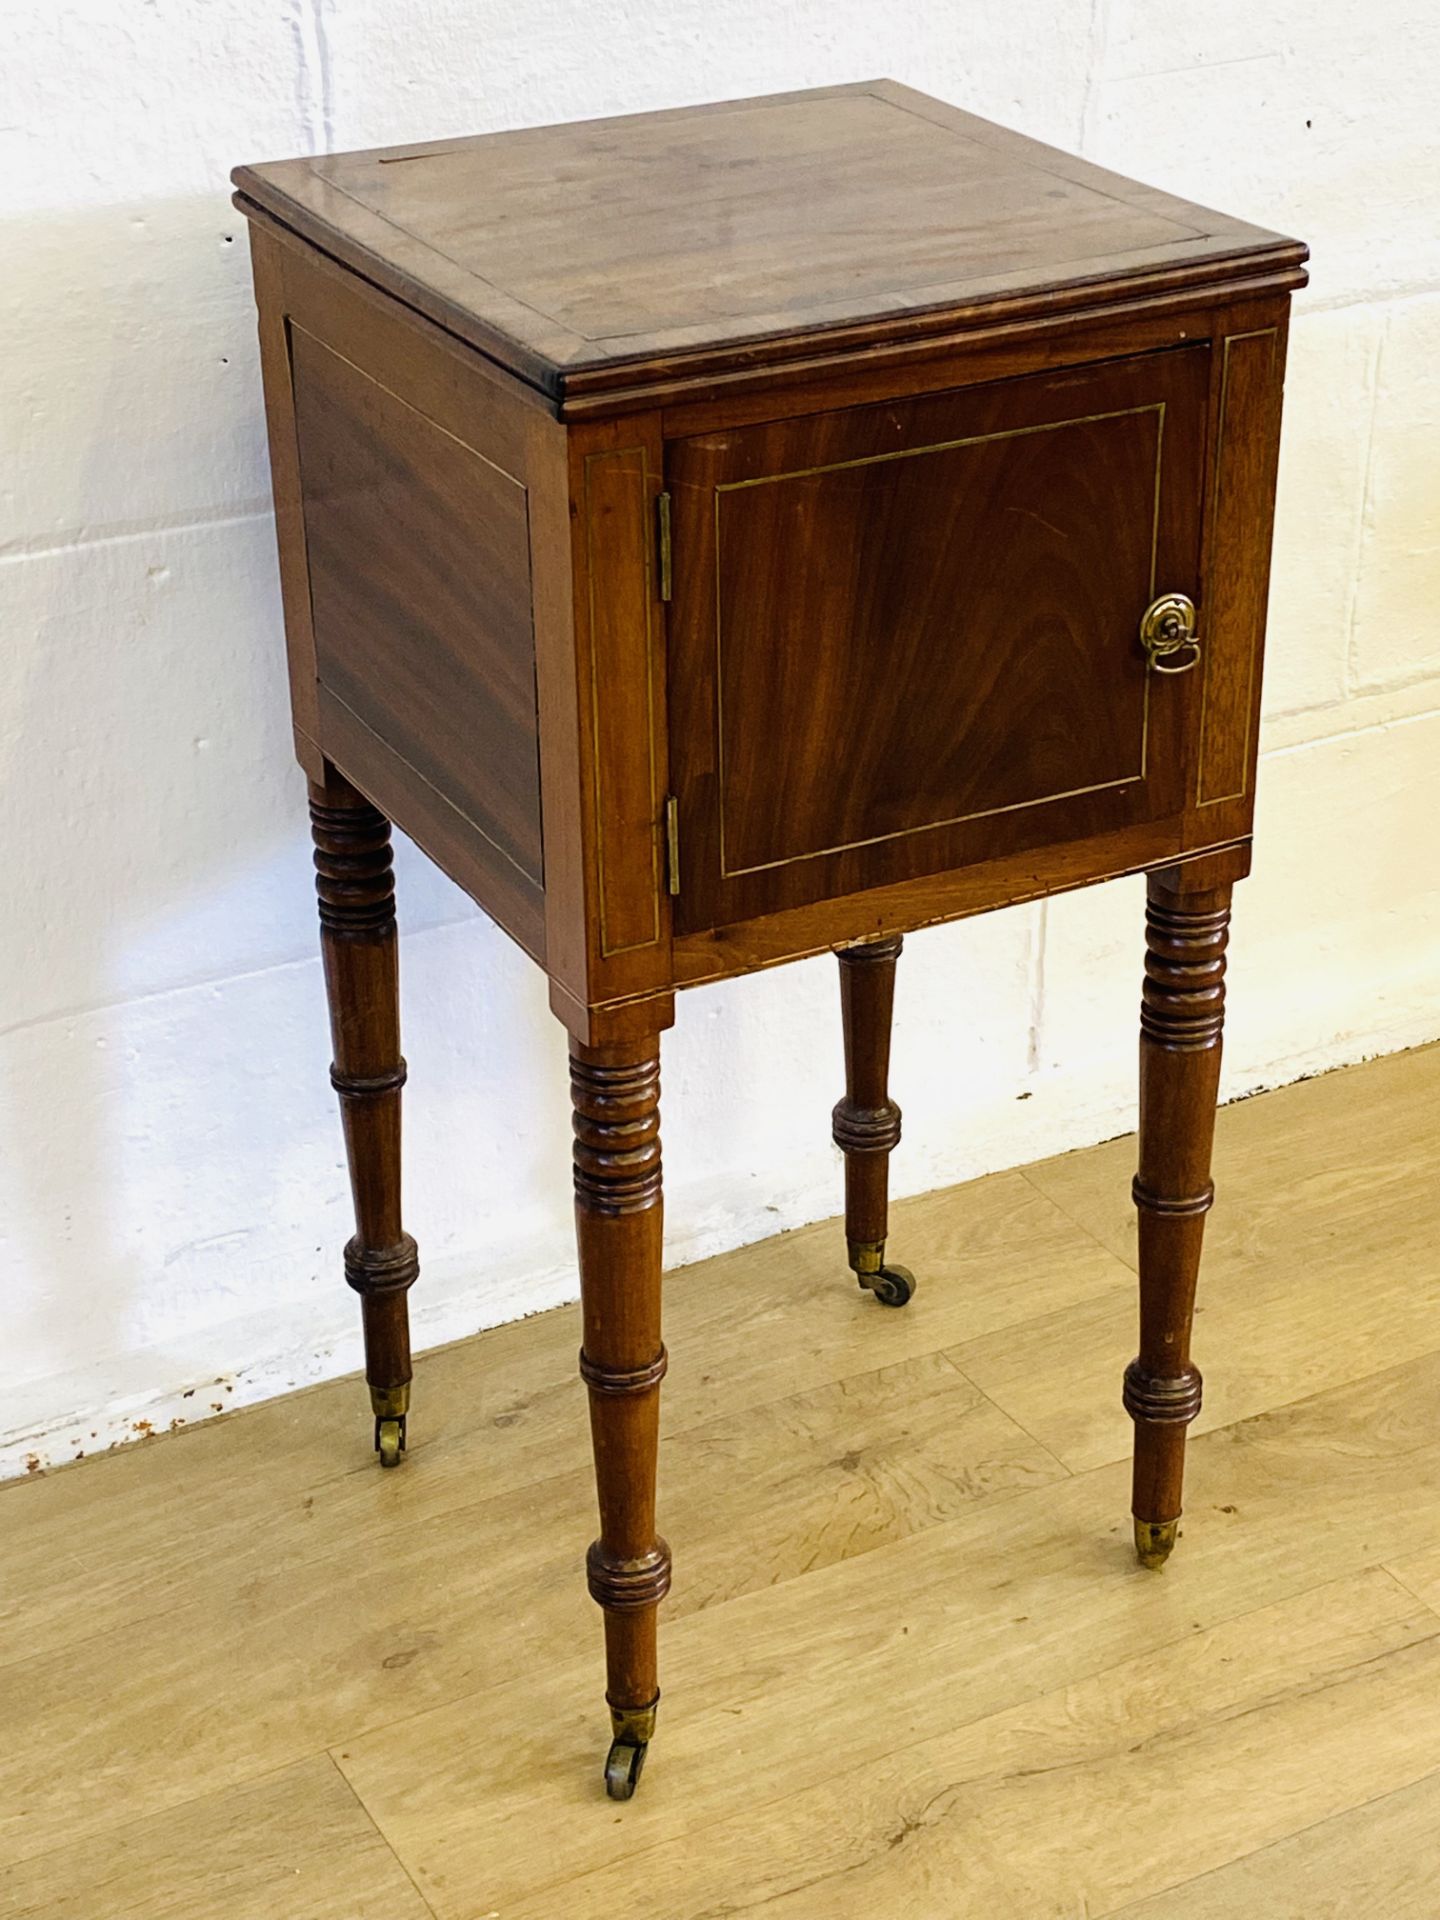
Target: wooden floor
<point x="910" y="1666"/>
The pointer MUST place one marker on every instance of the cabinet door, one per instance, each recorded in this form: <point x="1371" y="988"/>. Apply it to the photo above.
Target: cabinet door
<point x="905" y="638"/>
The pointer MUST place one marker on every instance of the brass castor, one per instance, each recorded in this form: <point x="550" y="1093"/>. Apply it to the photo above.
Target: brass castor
<point x="891" y="1286"/>
<point x="390" y="1440"/>
<point x="1155" y="1542"/>
<point x="390" y="1405"/>
<point x="634" y="1728"/>
<point x="622" y="1767"/>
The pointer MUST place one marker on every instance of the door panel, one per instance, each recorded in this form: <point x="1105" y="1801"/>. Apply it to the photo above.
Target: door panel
<point x="904" y="637"/>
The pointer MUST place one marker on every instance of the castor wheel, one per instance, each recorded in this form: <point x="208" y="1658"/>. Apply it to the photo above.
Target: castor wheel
<point x="390" y="1405"/>
<point x="390" y="1440"/>
<point x="622" y="1767"/>
<point x="891" y="1286"/>
<point x="633" y="1728"/>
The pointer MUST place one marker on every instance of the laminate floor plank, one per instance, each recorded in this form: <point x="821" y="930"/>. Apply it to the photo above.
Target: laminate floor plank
<point x="1318" y="1148"/>
<point x="902" y="1571"/>
<point x="505" y="1410"/>
<point x="425" y="1600"/>
<point x="1330" y="1191"/>
<point x="781" y="1689"/>
<point x="297" y="1844"/>
<point x="1420" y="1571"/>
<point x="1148" y="1772"/>
<point x="1374" y="1862"/>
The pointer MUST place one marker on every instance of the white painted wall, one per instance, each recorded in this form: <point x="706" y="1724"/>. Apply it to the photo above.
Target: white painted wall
<point x="172" y="1194"/>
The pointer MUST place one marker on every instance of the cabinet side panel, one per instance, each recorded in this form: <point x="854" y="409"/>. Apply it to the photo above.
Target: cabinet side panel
<point x="412" y="574"/>
<point x="420" y="590"/>
<point x="451" y="841"/>
<point x="1241" y="512"/>
<point x="267" y="264"/>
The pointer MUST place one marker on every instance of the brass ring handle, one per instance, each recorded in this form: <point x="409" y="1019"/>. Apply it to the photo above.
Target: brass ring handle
<point x="1167" y="628"/>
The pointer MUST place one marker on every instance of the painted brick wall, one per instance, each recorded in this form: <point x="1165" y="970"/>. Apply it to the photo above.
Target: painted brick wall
<point x="172" y="1195"/>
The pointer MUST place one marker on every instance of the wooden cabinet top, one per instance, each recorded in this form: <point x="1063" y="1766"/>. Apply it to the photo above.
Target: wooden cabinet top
<point x="614" y="253"/>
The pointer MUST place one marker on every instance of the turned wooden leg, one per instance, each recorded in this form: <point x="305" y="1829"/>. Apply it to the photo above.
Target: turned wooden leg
<point x="618" y="1220"/>
<point x="1181" y="1017"/>
<point x="355" y="883"/>
<point x="866" y="1123"/>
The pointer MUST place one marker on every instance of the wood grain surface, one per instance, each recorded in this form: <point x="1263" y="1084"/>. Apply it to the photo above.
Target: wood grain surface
<point x="899" y="676"/>
<point x="904" y="638"/>
<point x="296" y="1843"/>
<point x="583" y="254"/>
<point x="420" y="592"/>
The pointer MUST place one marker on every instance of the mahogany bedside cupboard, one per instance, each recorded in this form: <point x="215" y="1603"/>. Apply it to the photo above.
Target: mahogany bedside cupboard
<point x="726" y="535"/>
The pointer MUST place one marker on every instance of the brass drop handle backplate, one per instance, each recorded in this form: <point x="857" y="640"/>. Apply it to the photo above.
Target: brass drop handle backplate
<point x="1167" y="633"/>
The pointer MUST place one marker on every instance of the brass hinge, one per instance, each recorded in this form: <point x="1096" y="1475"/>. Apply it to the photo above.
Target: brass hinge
<point x="662" y="529"/>
<point x="672" y="844"/>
